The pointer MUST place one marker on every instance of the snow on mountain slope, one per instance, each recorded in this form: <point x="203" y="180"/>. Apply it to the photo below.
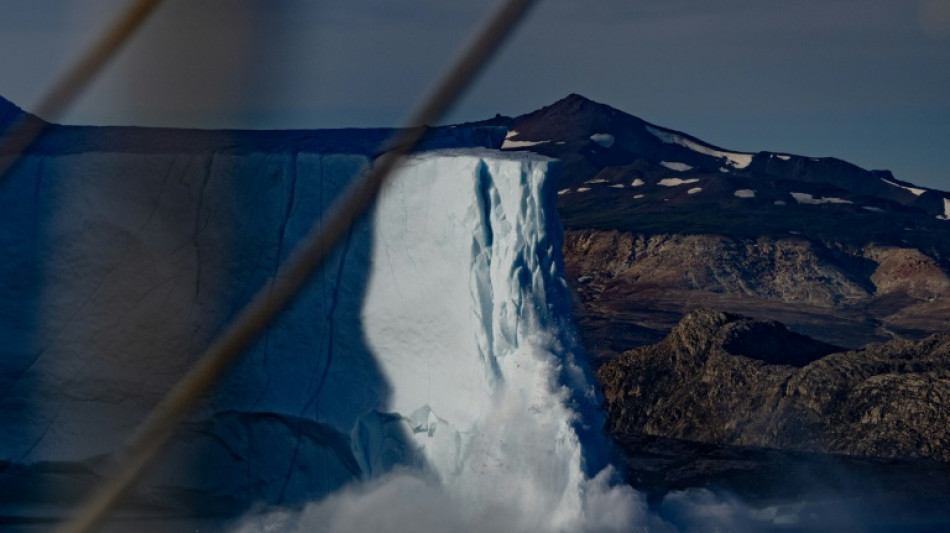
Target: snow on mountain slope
<point x="914" y="190"/>
<point x="679" y="167"/>
<point x="735" y="159"/>
<point x="946" y="210"/>
<point x="438" y="336"/>
<point x="509" y="143"/>
<point x="805" y="198"/>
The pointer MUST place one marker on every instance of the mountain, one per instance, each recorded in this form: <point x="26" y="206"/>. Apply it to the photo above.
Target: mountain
<point x="605" y="151"/>
<point x="13" y="118"/>
<point x="660" y="226"/>
<point x="9" y="113"/>
<point x="658" y="223"/>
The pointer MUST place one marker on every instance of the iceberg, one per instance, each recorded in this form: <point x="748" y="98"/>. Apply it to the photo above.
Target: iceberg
<point x="437" y="338"/>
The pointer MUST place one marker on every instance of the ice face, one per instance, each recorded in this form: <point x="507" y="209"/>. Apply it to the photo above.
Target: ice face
<point x="468" y="312"/>
<point x="438" y="336"/>
<point x="122" y="268"/>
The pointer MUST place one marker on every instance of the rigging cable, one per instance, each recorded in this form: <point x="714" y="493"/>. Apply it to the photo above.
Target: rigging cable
<point x="23" y="133"/>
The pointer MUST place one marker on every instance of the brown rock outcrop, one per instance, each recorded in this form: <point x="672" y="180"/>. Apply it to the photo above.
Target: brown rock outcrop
<point x="725" y="379"/>
<point x="633" y="288"/>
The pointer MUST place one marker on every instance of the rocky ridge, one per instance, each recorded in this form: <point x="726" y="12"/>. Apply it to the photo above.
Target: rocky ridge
<point x="725" y="379"/>
<point x="632" y="288"/>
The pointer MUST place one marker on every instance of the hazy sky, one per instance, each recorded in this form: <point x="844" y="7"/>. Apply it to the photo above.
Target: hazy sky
<point x="864" y="80"/>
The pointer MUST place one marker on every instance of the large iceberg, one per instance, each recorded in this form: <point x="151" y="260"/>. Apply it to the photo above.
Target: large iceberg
<point x="437" y="338"/>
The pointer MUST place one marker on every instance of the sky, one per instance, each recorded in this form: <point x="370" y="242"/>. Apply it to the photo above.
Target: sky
<point x="867" y="81"/>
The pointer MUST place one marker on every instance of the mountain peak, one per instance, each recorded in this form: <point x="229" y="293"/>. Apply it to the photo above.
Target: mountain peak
<point x="11" y="113"/>
<point x="574" y="116"/>
<point x="576" y="98"/>
<point x="575" y="103"/>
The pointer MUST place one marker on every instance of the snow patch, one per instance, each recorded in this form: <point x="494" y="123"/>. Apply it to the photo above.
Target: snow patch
<point x="583" y="189"/>
<point x="598" y="180"/>
<point x="520" y="144"/>
<point x="946" y="210"/>
<point x="744" y="193"/>
<point x="724" y="170"/>
<point x="734" y="159"/>
<point x="509" y="143"/>
<point x="637" y="183"/>
<point x="805" y="198"/>
<point x="780" y="202"/>
<point x="914" y="190"/>
<point x="694" y="190"/>
<point x="604" y="139"/>
<point x="872" y="209"/>
<point x="638" y="196"/>
<point x="783" y="157"/>
<point x="674" y="182"/>
<point x="563" y="191"/>
<point x="679" y="167"/>
<point x="618" y="186"/>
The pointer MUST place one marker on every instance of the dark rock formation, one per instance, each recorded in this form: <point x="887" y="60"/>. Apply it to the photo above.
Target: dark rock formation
<point x="724" y="379"/>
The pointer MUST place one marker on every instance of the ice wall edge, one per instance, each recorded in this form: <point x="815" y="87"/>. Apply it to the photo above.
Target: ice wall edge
<point x="435" y="333"/>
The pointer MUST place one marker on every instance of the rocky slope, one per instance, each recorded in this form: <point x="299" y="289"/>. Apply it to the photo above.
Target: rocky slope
<point x="632" y="288"/>
<point x="721" y="378"/>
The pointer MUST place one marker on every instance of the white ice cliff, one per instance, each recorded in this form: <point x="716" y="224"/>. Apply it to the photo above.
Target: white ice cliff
<point x="438" y="337"/>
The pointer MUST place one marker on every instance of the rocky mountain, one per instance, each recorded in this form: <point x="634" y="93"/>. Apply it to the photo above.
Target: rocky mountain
<point x="658" y="223"/>
<point x="725" y="379"/>
<point x="610" y="157"/>
<point x="661" y="226"/>
<point x="633" y="287"/>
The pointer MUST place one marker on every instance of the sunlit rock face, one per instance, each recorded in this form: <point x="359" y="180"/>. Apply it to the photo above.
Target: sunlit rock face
<point x="437" y="336"/>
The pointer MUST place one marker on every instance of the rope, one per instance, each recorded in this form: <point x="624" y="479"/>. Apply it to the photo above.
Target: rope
<point x="64" y="92"/>
<point x="157" y="428"/>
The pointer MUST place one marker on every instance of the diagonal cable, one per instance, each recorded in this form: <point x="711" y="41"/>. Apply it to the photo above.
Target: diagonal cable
<point x="156" y="429"/>
<point x="23" y="133"/>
